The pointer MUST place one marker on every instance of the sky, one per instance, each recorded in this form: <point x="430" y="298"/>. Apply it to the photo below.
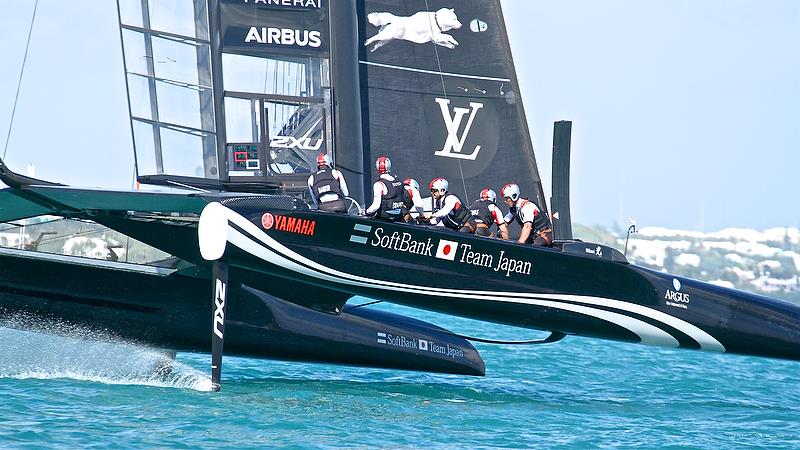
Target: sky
<point x="686" y="114"/>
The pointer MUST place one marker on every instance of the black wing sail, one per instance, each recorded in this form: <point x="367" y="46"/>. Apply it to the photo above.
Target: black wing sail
<point x="440" y="95"/>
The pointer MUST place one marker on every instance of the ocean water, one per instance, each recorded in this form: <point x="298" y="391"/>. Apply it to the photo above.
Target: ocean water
<point x="66" y="392"/>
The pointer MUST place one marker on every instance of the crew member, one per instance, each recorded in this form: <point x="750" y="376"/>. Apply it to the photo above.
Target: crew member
<point x="414" y="200"/>
<point x="327" y="186"/>
<point x="389" y="198"/>
<point x="486" y="213"/>
<point x="450" y="212"/>
<point x="536" y="227"/>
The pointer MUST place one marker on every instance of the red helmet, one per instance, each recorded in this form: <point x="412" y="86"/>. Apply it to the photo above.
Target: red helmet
<point x="488" y="194"/>
<point x="323" y="159"/>
<point x="383" y="164"/>
<point x="411" y="182"/>
<point x="439" y="185"/>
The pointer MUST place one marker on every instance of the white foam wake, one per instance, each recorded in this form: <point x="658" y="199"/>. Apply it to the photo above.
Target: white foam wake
<point x="101" y="358"/>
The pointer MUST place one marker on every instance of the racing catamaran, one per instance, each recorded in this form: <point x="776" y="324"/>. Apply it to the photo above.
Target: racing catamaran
<point x="256" y="91"/>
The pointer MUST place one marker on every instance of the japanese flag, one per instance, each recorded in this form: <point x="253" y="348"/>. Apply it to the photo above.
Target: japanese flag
<point x="447" y="249"/>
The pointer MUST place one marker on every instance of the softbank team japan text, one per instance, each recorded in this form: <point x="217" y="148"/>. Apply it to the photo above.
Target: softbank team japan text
<point x="402" y="242"/>
<point x="405" y="242"/>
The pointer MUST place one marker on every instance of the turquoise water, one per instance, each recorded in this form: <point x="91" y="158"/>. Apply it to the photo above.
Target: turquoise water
<point x="578" y="393"/>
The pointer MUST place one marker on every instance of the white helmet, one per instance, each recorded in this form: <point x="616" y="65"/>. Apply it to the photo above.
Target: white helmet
<point x="511" y="190"/>
<point x="411" y="182"/>
<point x="488" y="194"/>
<point x="439" y="185"/>
<point x="323" y="159"/>
<point x="383" y="165"/>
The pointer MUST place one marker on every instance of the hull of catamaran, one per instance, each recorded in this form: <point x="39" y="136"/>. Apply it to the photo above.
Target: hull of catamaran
<point x="581" y="289"/>
<point x="169" y="308"/>
<point x="316" y="261"/>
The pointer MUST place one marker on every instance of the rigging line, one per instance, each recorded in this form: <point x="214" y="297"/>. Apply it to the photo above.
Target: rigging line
<point x="363" y="304"/>
<point x="19" y="83"/>
<point x="186" y="186"/>
<point x="444" y="89"/>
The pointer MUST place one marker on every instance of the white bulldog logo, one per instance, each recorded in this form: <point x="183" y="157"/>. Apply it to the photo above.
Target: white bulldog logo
<point x="419" y="28"/>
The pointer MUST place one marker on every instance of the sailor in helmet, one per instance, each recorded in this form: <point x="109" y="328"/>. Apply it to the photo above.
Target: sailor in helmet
<point x="486" y="213"/>
<point x="536" y="227"/>
<point x="327" y="186"/>
<point x="412" y="188"/>
<point x="450" y="211"/>
<point x="389" y="198"/>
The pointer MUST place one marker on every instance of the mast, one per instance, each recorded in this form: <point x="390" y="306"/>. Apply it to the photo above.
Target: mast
<point x="562" y="218"/>
<point x="215" y="36"/>
<point x="347" y="95"/>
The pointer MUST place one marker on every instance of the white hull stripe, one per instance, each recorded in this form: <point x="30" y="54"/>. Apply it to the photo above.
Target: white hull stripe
<point x="276" y="253"/>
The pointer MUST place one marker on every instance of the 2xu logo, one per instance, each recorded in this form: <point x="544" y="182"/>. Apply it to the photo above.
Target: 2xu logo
<point x="292" y="142"/>
<point x="284" y="36"/>
<point x="219" y="307"/>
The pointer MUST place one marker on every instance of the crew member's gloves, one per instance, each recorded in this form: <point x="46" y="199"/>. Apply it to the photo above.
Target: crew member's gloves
<point x="422" y="220"/>
<point x="433" y="221"/>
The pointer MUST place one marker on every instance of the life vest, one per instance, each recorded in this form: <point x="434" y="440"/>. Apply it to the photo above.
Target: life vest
<point x="540" y="221"/>
<point x="457" y="216"/>
<point x="481" y="213"/>
<point x="325" y="183"/>
<point x="393" y="203"/>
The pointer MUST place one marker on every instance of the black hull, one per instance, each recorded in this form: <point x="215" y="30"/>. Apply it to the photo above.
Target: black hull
<point x="167" y="309"/>
<point x="594" y="295"/>
<point x="317" y="260"/>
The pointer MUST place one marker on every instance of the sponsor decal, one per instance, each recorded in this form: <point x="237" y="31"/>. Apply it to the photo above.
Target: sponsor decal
<point x="597" y="251"/>
<point x="504" y="264"/>
<point x="478" y="26"/>
<point x="676" y="298"/>
<point x="452" y="352"/>
<point x="289" y="4"/>
<point x="294" y="225"/>
<point x="403" y="242"/>
<point x="446" y="249"/>
<point x="284" y="37"/>
<point x="292" y="142"/>
<point x="219" y="307"/>
<point x="267" y="220"/>
<point x="454" y="144"/>
<point x="419" y="28"/>
<point x="359" y="238"/>
<point x="419" y="344"/>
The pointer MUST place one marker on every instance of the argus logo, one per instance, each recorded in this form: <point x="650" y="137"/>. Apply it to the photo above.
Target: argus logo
<point x="676" y="298"/>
